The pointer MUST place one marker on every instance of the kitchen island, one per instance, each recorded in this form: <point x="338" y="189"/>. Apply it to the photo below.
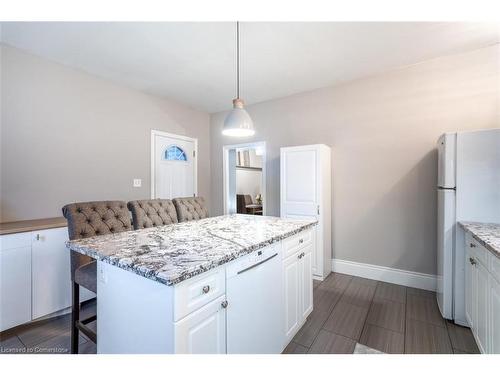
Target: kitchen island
<point x="227" y="284"/>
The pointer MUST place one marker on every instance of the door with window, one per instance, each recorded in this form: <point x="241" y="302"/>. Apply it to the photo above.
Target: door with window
<point x="173" y="166"/>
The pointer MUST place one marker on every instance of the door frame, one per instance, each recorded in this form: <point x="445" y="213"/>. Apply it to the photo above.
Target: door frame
<point x="154" y="133"/>
<point x="225" y="172"/>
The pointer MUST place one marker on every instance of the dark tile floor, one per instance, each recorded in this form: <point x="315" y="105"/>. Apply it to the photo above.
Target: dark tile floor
<point x="387" y="317"/>
<point x="50" y="336"/>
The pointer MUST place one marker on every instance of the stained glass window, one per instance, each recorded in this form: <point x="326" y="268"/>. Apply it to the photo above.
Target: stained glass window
<point x="175" y="153"/>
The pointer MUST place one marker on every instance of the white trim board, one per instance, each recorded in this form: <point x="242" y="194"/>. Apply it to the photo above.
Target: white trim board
<point x="387" y="274"/>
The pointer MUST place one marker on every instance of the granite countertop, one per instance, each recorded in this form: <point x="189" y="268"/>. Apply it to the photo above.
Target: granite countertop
<point x="173" y="253"/>
<point x="487" y="234"/>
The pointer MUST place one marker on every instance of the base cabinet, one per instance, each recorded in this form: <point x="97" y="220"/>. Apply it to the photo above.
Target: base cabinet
<point x="298" y="286"/>
<point x="482" y="296"/>
<point x="51" y="274"/>
<point x="494" y="292"/>
<point x="15" y="281"/>
<point x="291" y="276"/>
<point x="203" y="331"/>
<point x="34" y="276"/>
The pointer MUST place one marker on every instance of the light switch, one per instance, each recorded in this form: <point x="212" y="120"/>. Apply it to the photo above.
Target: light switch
<point x="137" y="182"/>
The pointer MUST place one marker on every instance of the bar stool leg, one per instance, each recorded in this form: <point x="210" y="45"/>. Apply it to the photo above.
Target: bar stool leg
<point x="75" y="316"/>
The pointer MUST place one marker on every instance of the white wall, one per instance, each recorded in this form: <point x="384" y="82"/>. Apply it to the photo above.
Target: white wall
<point x="68" y="136"/>
<point x="248" y="181"/>
<point x="383" y="131"/>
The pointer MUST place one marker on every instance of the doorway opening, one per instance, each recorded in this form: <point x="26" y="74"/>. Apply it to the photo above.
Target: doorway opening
<point x="244" y="178"/>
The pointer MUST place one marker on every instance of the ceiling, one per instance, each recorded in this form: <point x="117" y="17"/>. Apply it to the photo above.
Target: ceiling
<point x="194" y="63"/>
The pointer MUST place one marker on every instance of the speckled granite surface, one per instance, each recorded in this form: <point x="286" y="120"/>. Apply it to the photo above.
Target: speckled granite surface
<point x="487" y="234"/>
<point x="173" y="253"/>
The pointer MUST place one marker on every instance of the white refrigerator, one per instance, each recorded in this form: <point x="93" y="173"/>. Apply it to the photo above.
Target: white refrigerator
<point x="468" y="190"/>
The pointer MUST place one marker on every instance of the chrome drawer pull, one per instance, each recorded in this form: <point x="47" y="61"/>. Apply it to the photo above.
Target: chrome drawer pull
<point x="301" y="240"/>
<point x="206" y="289"/>
<point x="472" y="245"/>
<point x="224" y="304"/>
<point x="472" y="261"/>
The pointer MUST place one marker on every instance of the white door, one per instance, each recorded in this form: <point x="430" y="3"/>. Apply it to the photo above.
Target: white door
<point x="481" y="289"/>
<point x="306" y="281"/>
<point x="203" y="331"/>
<point x="173" y="166"/>
<point x="51" y="281"/>
<point x="494" y="316"/>
<point x="15" y="280"/>
<point x="291" y="277"/>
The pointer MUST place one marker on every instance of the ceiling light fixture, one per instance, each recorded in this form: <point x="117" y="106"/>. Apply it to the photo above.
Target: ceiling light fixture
<point x="238" y="122"/>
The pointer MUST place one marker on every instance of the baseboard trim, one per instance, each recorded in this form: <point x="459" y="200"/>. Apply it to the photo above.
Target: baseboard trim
<point x="387" y="274"/>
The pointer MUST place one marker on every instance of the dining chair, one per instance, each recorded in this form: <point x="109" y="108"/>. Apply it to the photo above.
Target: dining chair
<point x="190" y="208"/>
<point x="152" y="213"/>
<point x="89" y="219"/>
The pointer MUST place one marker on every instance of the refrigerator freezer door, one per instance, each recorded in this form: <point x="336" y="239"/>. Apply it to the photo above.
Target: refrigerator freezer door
<point x="445" y="246"/>
<point x="446" y="160"/>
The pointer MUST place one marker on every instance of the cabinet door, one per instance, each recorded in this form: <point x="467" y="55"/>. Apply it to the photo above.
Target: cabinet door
<point x="291" y="283"/>
<point x="481" y="322"/>
<point x="15" y="283"/>
<point x="494" y="326"/>
<point x="51" y="281"/>
<point x="469" y="276"/>
<point x="203" y="331"/>
<point x="306" y="283"/>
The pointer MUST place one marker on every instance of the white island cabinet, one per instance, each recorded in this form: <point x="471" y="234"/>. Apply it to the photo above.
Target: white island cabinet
<point x="139" y="315"/>
<point x="230" y="284"/>
<point x="482" y="294"/>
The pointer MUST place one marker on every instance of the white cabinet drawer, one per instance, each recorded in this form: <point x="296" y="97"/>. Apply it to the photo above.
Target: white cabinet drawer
<point x="495" y="267"/>
<point x="12" y="241"/>
<point x="296" y="242"/>
<point x="194" y="293"/>
<point x="479" y="252"/>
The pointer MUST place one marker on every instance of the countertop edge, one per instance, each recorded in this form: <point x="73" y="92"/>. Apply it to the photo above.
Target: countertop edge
<point x="23" y="226"/>
<point x="171" y="282"/>
<point x="488" y="246"/>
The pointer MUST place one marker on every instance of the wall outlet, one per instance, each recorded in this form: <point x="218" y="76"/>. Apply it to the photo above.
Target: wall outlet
<point x="137" y="182"/>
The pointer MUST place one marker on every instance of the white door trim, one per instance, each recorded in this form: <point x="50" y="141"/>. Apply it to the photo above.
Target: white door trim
<point x="225" y="171"/>
<point x="387" y="274"/>
<point x="154" y="133"/>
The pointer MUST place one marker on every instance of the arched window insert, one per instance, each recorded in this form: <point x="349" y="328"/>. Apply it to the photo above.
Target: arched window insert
<point x="175" y="153"/>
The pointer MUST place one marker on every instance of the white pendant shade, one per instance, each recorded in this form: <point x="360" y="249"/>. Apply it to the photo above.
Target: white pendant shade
<point x="238" y="122"/>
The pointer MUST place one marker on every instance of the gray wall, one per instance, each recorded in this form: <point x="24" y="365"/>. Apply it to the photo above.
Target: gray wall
<point x="68" y="136"/>
<point x="382" y="130"/>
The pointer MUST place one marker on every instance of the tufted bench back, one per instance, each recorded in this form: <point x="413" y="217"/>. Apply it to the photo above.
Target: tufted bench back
<point x="152" y="213"/>
<point x="191" y="208"/>
<point x="88" y="219"/>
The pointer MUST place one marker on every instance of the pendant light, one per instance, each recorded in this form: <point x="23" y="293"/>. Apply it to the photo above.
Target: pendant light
<point x="238" y="122"/>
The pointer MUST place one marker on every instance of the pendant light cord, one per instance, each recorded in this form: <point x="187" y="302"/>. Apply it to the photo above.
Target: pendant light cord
<point x="237" y="59"/>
